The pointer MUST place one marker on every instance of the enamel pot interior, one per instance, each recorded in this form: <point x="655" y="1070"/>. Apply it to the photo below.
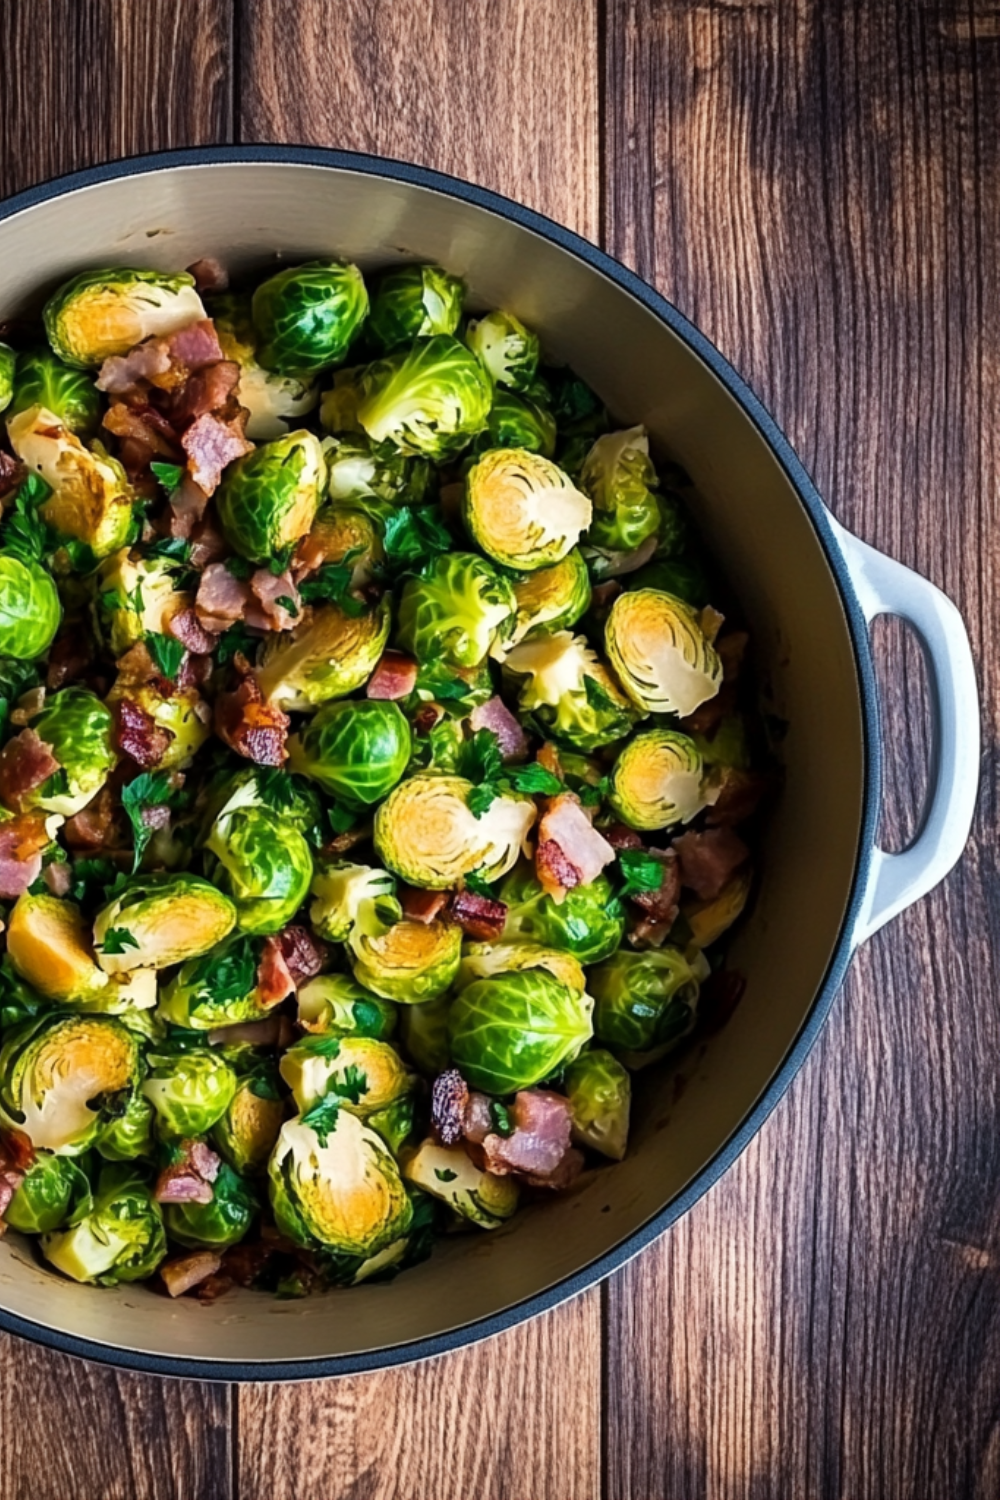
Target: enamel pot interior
<point x="767" y="536"/>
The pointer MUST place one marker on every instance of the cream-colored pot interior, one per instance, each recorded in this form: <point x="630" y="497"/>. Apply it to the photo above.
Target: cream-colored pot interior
<point x="247" y="214"/>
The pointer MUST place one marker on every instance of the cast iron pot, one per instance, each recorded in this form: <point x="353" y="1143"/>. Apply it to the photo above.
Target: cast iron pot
<point x="809" y="590"/>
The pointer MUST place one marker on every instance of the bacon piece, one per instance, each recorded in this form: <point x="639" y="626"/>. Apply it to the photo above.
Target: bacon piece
<point x="422" y="906"/>
<point x="250" y="726"/>
<point x="26" y="762"/>
<point x="449" y="1099"/>
<point x="187" y="1271"/>
<point x="287" y="960"/>
<point x="136" y="667"/>
<point x="647" y="933"/>
<point x="347" y="840"/>
<point x="195" y="345"/>
<point x="426" y="716"/>
<point x="190" y="1178"/>
<point x="29" y="706"/>
<point x="570" y="850"/>
<point x="221" y="599"/>
<point x="394" y="677"/>
<point x="209" y="275"/>
<point x="273" y="1030"/>
<point x="120" y="374"/>
<point x="194" y="672"/>
<point x="138" y="735"/>
<point x="58" y="878"/>
<point x="708" y="860"/>
<point x="540" y="1139"/>
<point x="246" y="1262"/>
<point x="144" y="425"/>
<point x="740" y="795"/>
<point x="214" y="1287"/>
<point x="620" y="837"/>
<point x="206" y="393"/>
<point x="603" y="596"/>
<point x="187" y="506"/>
<point x="11" y="473"/>
<point x="496" y="716"/>
<point x="477" y="1120"/>
<point x="662" y="904"/>
<point x="208" y="545"/>
<point x="479" y="917"/>
<point x="268" y="588"/>
<point x="96" y="825"/>
<point x="186" y="628"/>
<point x="211" y="444"/>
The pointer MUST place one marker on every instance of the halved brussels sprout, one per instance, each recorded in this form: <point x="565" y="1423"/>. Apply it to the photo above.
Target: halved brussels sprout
<point x="336" y="1005"/>
<point x="180" y="711"/>
<point x="120" y="1239"/>
<point x="260" y="859"/>
<point x="462" y="688"/>
<point x="356" y="750"/>
<point x="552" y="599"/>
<point x="510" y="1032"/>
<point x="269" y="498"/>
<point x="431" y="400"/>
<point x="644" y="1000"/>
<point x="619" y="477"/>
<point x="508" y="350"/>
<point x="307" y="316"/>
<point x="53" y="1190"/>
<point x="600" y="1093"/>
<point x="129" y="1134"/>
<point x="425" y="833"/>
<point x="135" y="597"/>
<point x="656" y="781"/>
<point x="43" y="380"/>
<point x="358" y="471"/>
<point x="8" y="364"/>
<point x="338" y="888"/>
<point x="342" y="534"/>
<point x="159" y="920"/>
<point x="190" y="1088"/>
<point x="409" y="962"/>
<point x="413" y="302"/>
<point x="708" y="920"/>
<point x="447" y="1173"/>
<point x="54" y="1068"/>
<point x="272" y="400"/>
<point x="30" y="610"/>
<point x="589" y="922"/>
<point x="91" y="498"/>
<point x="328" y="655"/>
<point x="661" y="655"/>
<point x="486" y="960"/>
<point x="522" y="510"/>
<point x="49" y="945"/>
<point x="78" y="727"/>
<point x="424" y="1034"/>
<point x="109" y="311"/>
<point x="365" y="1075"/>
<point x="518" y="422"/>
<point x="217" y="989"/>
<point x="457" y="610"/>
<point x="570" y="691"/>
<point x="246" y="1133"/>
<point x="223" y="1221"/>
<point x="335" y="1185"/>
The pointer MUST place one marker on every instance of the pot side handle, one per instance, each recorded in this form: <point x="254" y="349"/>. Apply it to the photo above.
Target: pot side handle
<point x="885" y="587"/>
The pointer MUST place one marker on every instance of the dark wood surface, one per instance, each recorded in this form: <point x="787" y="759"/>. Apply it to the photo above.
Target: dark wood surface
<point x="818" y="186"/>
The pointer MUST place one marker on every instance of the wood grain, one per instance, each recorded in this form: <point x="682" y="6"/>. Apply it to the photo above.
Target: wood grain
<point x="818" y="187"/>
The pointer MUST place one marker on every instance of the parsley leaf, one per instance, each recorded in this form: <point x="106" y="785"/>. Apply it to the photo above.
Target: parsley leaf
<point x="482" y="798"/>
<point x="166" y="653"/>
<point x="500" y="1118"/>
<point x="478" y="886"/>
<point x="414" y="533"/>
<point x="323" y="1118"/>
<point x="281" y="559"/>
<point x="90" y="877"/>
<point x="150" y="789"/>
<point x="332" y="583"/>
<point x="234" y="974"/>
<point x="118" y="940"/>
<point x="175" y="548"/>
<point x="25" y="533"/>
<point x="535" y="780"/>
<point x="479" y="758"/>
<point x="592" y="795"/>
<point x="236" y="638"/>
<point x="642" y="871"/>
<point x="287" y="603"/>
<point x="238" y="567"/>
<point x="169" y="475"/>
<point x="445" y="1174"/>
<point x="353" y="1085"/>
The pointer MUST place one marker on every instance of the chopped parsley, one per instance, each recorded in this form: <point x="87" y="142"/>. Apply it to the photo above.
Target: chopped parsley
<point x="322" y="1118"/>
<point x="445" y="1174"/>
<point x="25" y="534"/>
<point x="150" y="789"/>
<point x="118" y="940"/>
<point x="169" y="475"/>
<point x="166" y="653"/>
<point x="331" y="584"/>
<point x="642" y="871"/>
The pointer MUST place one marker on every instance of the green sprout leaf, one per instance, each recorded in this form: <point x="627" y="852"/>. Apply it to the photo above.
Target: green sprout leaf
<point x="118" y="940"/>
<point x="479" y="758"/>
<point x="166" y="653"/>
<point x="598" y="697"/>
<point x="235" y="973"/>
<point x="169" y="475"/>
<point x="413" y="534"/>
<point x="276" y="788"/>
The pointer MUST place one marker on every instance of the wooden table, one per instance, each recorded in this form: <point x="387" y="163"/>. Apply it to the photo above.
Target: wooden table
<point x="818" y="187"/>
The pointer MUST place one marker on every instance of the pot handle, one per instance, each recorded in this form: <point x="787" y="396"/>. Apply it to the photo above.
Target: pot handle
<point x="885" y="587"/>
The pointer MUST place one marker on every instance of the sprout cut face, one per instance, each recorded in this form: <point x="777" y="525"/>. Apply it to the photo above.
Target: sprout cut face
<point x="269" y="498"/>
<point x="657" y="780"/>
<point x="487" y="960"/>
<point x="336" y="1005"/>
<point x="364" y="1074"/>
<point x="570" y="691"/>
<point x="510" y="1032"/>
<point x="414" y="302"/>
<point x="522" y="510"/>
<point x="263" y="862"/>
<point x="355" y="750"/>
<point x="91" y="500"/>
<point x="508" y="351"/>
<point x="274" y="401"/>
<point x="619" y="477"/>
<point x="660" y="653"/>
<point x="30" y="610"/>
<point x="71" y="395"/>
<point x="552" y="599"/>
<point x="338" y="890"/>
<point x="54" y="1070"/>
<point x="245" y="1134"/>
<point x="100" y="313"/>
<point x="329" y="655"/>
<point x="48" y="943"/>
<point x="409" y="962"/>
<point x="307" y="316"/>
<point x="425" y="833"/>
<point x="78" y="727"/>
<point x="431" y="400"/>
<point x="447" y="1173"/>
<point x="159" y="920"/>
<point x="136" y="596"/>
<point x="121" y="1239"/>
<point x="458" y="611"/>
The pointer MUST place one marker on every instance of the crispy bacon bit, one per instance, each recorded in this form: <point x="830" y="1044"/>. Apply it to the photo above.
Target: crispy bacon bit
<point x="95" y="826"/>
<point x="570" y="850"/>
<point x="496" y="716"/>
<point x="120" y="374"/>
<point x="189" y="1180"/>
<point x="250" y="726"/>
<point x="555" y="871"/>
<point x="246" y="1262"/>
<point x="620" y="837"/>
<point x="540" y="1139"/>
<point x="157" y="816"/>
<point x="422" y="906"/>
<point x="136" y="667"/>
<point x="708" y="860"/>
<point x="740" y="795"/>
<point x="548" y="759"/>
<point x="204" y="393"/>
<point x="186" y="628"/>
<point x="58" y="878"/>
<point x="449" y="1099"/>
<point x="426" y="717"/>
<point x="342" y="842"/>
<point x="274" y="1030"/>
<point x="479" y="917"/>
<point x="209" y="275"/>
<point x="603" y="596"/>
<point x="395" y="676"/>
<point x="143" y="425"/>
<point x="268" y="590"/>
<point x="29" y="706"/>
<point x="211" y="444"/>
<point x="287" y="960"/>
<point x="208" y="545"/>
<point x="646" y="933"/>
<point x="25" y="763"/>
<point x="138" y="734"/>
<point x="662" y="905"/>
<point x="187" y="507"/>
<point x="195" y="345"/>
<point x="477" y="1121"/>
<point x="221" y="599"/>
<point x="188" y="1271"/>
<point x="11" y="473"/>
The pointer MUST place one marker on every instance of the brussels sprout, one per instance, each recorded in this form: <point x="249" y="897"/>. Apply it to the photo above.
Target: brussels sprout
<point x="245" y="1134"/>
<point x="30" y="610"/>
<point x="78" y="727"/>
<point x="660" y="653"/>
<point x="510" y="1032"/>
<point x="328" y="655"/>
<point x="684" y="577"/>
<point x="217" y="989"/>
<point x="365" y="1075"/>
<point x="440" y="749"/>
<point x="177" y="710"/>
<point x="109" y="311"/>
<point x="91" y="499"/>
<point x="462" y="689"/>
<point x="136" y="597"/>
<point x="425" y="833"/>
<point x="396" y="1123"/>
<point x="129" y="1134"/>
<point x="8" y="364"/>
<point x="413" y="302"/>
<point x="486" y="960"/>
<point x="159" y="920"/>
<point x="431" y="400"/>
<point x="600" y="1093"/>
<point x="517" y="422"/>
<point x="589" y="922"/>
<point x="335" y="1186"/>
<point x="522" y="510"/>
<point x="307" y="316"/>
<point x="49" y="945"/>
<point x="356" y="750"/>
<point x="348" y="536"/>
<point x="190" y="1089"/>
<point x="336" y="1005"/>
<point x="619" y="477"/>
<point x="53" y="1190"/>
<point x="54" y="1068"/>
<point x="271" y="399"/>
<point x="507" y="349"/>
<point x="409" y="962"/>
<point x="269" y="498"/>
<point x="457" y="610"/>
<point x="708" y="920"/>
<point x="120" y="1239"/>
<point x="223" y="1221"/>
<point x="570" y="691"/>
<point x="447" y="1174"/>
<point x="338" y="409"/>
<point x="552" y="599"/>
<point x="424" y="1034"/>
<point x="339" y="888"/>
<point x="643" y="1000"/>
<point x="356" y="472"/>
<point x="657" y="779"/>
<point x="263" y="862"/>
<point x="43" y="380"/>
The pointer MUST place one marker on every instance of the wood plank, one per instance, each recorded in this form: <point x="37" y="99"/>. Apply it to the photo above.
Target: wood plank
<point x="818" y="187"/>
<point x="504" y="93"/>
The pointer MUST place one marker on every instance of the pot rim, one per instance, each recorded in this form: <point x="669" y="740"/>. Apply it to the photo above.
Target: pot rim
<point x="596" y="1270"/>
